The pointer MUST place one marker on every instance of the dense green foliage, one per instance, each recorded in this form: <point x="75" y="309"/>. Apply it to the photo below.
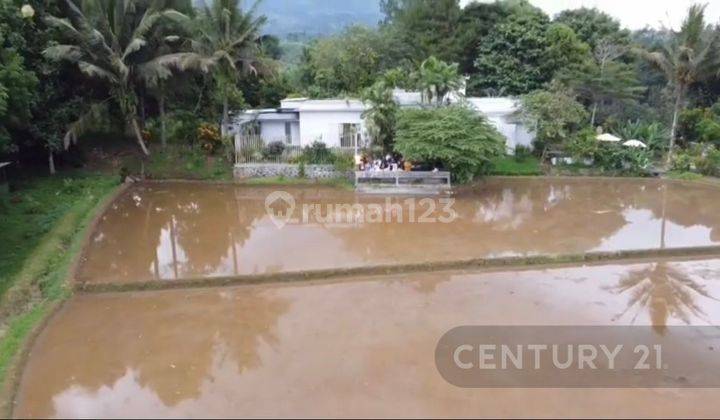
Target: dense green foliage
<point x="17" y="83"/>
<point x="172" y="65"/>
<point x="554" y="117"/>
<point x="381" y="115"/>
<point x="75" y="67"/>
<point x="523" y="52"/>
<point x="691" y="56"/>
<point x="453" y="137"/>
<point x="593" y="26"/>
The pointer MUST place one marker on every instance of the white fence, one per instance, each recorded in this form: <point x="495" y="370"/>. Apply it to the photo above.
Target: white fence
<point x="256" y="149"/>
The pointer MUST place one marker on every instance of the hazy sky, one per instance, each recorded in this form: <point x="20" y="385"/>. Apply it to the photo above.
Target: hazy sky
<point x="634" y="14"/>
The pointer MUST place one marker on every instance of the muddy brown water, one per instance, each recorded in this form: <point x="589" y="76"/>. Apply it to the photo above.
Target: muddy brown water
<point x="184" y="230"/>
<point x="362" y="347"/>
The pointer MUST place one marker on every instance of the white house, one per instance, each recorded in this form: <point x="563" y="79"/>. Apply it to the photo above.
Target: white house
<point x="502" y="113"/>
<point x="339" y="122"/>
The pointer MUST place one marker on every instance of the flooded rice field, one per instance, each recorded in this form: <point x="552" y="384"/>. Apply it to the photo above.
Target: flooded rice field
<point x="360" y="347"/>
<point x="185" y="230"/>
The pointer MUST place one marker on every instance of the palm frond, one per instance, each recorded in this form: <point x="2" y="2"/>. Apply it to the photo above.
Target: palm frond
<point x="86" y="122"/>
<point x="660" y="61"/>
<point x="71" y="53"/>
<point x="93" y="70"/>
<point x="63" y="25"/>
<point x="135" y="45"/>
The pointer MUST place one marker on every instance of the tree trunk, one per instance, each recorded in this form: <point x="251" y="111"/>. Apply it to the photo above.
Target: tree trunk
<point x="223" y="127"/>
<point x="680" y="98"/>
<point x="51" y="162"/>
<point x="142" y="109"/>
<point x="138" y="136"/>
<point x="161" y="106"/>
<point x="594" y="113"/>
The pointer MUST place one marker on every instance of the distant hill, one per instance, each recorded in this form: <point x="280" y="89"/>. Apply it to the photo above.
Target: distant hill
<point x="312" y="18"/>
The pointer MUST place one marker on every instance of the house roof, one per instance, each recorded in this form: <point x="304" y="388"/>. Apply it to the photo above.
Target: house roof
<point x="268" y="114"/>
<point x="495" y="106"/>
<point x="310" y="105"/>
<point x="291" y="107"/>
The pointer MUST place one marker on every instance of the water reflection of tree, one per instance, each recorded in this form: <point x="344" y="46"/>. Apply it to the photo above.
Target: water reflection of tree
<point x="682" y="204"/>
<point x="173" y="230"/>
<point x="665" y="291"/>
<point x="171" y="339"/>
<point x="128" y="232"/>
<point x="495" y="219"/>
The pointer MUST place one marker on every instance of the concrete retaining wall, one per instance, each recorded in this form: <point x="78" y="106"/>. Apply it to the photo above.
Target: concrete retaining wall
<point x="287" y="170"/>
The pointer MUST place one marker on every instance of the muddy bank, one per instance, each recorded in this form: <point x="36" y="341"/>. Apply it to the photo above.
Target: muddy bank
<point x="186" y="230"/>
<point x="363" y="347"/>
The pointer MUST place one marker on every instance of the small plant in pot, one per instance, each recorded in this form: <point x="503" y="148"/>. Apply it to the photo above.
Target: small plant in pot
<point x="273" y="150"/>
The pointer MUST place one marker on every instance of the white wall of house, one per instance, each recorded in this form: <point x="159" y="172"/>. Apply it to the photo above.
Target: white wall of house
<point x="322" y="120"/>
<point x="501" y="113"/>
<point x="272" y="131"/>
<point x="326" y="126"/>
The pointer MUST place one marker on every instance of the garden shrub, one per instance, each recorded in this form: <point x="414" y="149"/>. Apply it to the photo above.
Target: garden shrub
<point x="250" y="154"/>
<point x="521" y="152"/>
<point x="343" y="162"/>
<point x="209" y="137"/>
<point x="631" y="160"/>
<point x="317" y="154"/>
<point x="635" y="160"/>
<point x="708" y="163"/>
<point x="682" y="161"/>
<point x="709" y="130"/>
<point x="181" y="127"/>
<point x="554" y="116"/>
<point x="583" y="145"/>
<point x="654" y="134"/>
<point x="700" y="125"/>
<point x="273" y="150"/>
<point x="454" y="137"/>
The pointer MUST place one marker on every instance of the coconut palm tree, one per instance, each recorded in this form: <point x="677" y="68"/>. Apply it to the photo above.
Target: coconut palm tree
<point x="162" y="42"/>
<point x="227" y="44"/>
<point x="436" y="79"/>
<point x="381" y="115"/>
<point x="690" y="56"/>
<point x="108" y="40"/>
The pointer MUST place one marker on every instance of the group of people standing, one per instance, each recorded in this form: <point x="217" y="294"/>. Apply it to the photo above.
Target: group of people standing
<point x="388" y="163"/>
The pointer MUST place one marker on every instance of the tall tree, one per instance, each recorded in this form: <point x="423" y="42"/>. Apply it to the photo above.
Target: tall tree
<point x="18" y="78"/>
<point x="602" y="78"/>
<point x="553" y="115"/>
<point x="381" y="115"/>
<point x="17" y="85"/>
<point x="162" y="41"/>
<point x="228" y="44"/>
<point x="345" y="63"/>
<point x="593" y="26"/>
<point x="428" y="27"/>
<point x="476" y="22"/>
<point x="522" y="53"/>
<point x="108" y="41"/>
<point x="690" y="56"/>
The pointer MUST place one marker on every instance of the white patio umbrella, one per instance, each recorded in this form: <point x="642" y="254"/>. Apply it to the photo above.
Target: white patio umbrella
<point x="608" y="138"/>
<point x="635" y="143"/>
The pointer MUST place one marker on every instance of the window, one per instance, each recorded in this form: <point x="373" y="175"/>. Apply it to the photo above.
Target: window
<point x="288" y="132"/>
<point x="349" y="135"/>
